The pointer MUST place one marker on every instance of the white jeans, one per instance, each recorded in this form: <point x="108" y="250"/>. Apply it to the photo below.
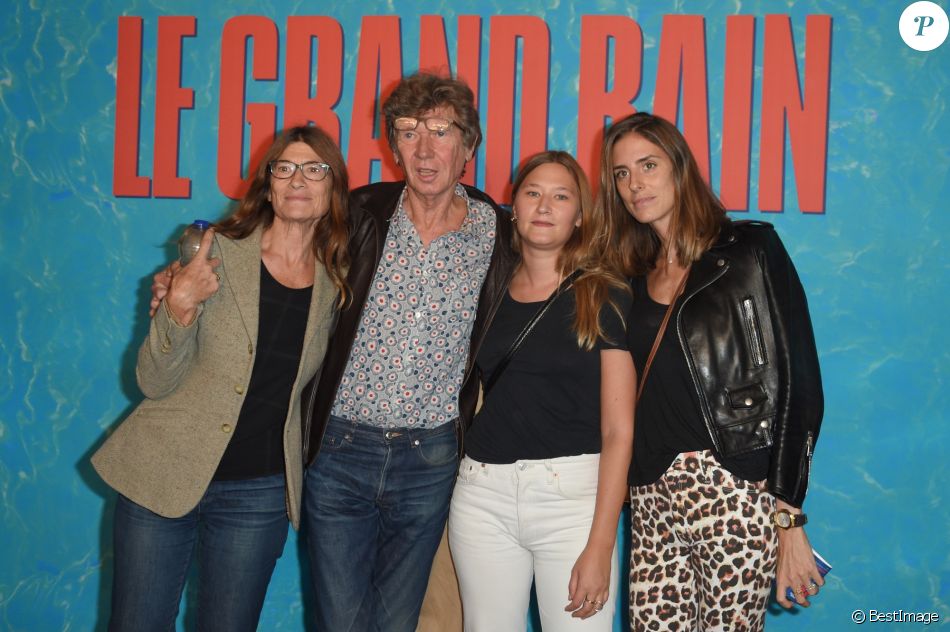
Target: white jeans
<point x="510" y="522"/>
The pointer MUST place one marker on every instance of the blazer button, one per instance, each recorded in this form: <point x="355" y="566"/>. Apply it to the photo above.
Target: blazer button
<point x="721" y="262"/>
<point x="748" y="401"/>
<point x="225" y="428"/>
<point x="239" y="389"/>
<point x="764" y="423"/>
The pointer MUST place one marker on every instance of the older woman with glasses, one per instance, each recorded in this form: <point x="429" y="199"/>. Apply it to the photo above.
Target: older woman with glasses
<point x="428" y="254"/>
<point x="211" y="460"/>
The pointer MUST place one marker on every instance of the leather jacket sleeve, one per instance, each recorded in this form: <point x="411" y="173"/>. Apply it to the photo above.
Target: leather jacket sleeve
<point x="800" y="402"/>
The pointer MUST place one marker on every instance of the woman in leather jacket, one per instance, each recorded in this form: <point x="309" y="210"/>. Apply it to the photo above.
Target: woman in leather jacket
<point x="731" y="399"/>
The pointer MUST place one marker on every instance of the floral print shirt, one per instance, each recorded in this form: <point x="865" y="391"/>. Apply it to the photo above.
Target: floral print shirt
<point x="411" y="348"/>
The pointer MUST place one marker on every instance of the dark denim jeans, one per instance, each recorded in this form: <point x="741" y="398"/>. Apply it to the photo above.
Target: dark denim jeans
<point x="240" y="528"/>
<point x="376" y="502"/>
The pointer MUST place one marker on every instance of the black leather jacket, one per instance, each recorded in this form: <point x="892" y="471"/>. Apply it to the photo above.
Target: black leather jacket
<point x="744" y="328"/>
<point x="371" y="208"/>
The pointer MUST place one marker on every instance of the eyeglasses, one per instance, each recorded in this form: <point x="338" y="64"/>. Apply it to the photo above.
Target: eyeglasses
<point x="285" y="169"/>
<point x="407" y="124"/>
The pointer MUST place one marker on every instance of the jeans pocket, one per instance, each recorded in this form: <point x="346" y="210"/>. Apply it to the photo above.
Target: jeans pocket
<point x="468" y="470"/>
<point x="439" y="450"/>
<point x="577" y="482"/>
<point x="719" y="477"/>
<point x="336" y="438"/>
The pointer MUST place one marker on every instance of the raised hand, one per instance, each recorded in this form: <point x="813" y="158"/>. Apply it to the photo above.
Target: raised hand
<point x="184" y="288"/>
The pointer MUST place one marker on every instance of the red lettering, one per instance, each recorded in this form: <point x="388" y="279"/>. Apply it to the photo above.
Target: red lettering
<point x="597" y="104"/>
<point x="807" y="117"/>
<point x="434" y="57"/>
<point x="536" y="51"/>
<point x="170" y="99"/>
<point x="261" y="117"/>
<point x="378" y="69"/>
<point x="683" y="56"/>
<point x="128" y="94"/>
<point x="300" y="108"/>
<point x="737" y="112"/>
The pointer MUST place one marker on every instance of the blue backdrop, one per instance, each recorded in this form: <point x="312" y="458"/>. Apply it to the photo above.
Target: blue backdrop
<point x="78" y="261"/>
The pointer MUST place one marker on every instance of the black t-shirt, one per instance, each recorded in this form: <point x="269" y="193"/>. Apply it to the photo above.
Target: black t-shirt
<point x="257" y="447"/>
<point x="669" y="419"/>
<point x="546" y="403"/>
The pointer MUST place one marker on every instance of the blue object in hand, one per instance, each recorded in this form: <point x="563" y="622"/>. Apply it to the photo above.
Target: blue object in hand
<point x="823" y="569"/>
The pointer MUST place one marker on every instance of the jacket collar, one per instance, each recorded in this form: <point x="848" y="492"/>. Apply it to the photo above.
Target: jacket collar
<point x="714" y="262"/>
<point x="727" y="236"/>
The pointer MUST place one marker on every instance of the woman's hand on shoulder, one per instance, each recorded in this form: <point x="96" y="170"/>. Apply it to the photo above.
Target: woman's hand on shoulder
<point x="191" y="285"/>
<point x="590" y="582"/>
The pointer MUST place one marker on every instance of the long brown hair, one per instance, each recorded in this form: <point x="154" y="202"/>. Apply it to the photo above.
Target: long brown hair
<point x="698" y="214"/>
<point x="581" y="252"/>
<point x="331" y="234"/>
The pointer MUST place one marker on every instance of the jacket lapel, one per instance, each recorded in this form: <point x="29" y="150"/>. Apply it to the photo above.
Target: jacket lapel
<point x="240" y="269"/>
<point x="322" y="301"/>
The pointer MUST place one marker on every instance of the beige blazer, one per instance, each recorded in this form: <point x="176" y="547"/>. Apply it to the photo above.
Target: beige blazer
<point x="195" y="378"/>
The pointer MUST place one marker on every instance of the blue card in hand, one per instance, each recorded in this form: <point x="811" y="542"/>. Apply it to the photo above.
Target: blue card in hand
<point x="823" y="569"/>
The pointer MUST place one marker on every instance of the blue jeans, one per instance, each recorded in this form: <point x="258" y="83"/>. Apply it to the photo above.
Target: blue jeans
<point x="376" y="502"/>
<point x="240" y="528"/>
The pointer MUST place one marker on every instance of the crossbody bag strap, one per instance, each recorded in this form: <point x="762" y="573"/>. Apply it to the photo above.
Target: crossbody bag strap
<point x="659" y="334"/>
<point x="565" y="285"/>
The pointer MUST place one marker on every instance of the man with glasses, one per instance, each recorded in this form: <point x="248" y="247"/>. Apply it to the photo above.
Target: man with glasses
<point x="385" y="419"/>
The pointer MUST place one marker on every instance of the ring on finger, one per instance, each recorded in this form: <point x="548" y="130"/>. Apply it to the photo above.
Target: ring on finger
<point x="813" y="589"/>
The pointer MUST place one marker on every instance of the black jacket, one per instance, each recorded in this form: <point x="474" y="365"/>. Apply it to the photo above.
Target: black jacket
<point x="371" y="208"/>
<point x="744" y="328"/>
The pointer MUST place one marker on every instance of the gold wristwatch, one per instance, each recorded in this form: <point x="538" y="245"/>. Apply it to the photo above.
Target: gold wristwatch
<point x="783" y="519"/>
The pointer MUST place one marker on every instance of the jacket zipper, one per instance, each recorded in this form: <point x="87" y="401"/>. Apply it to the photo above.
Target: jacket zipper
<point x="701" y="396"/>
<point x="755" y="336"/>
<point x="809" y="446"/>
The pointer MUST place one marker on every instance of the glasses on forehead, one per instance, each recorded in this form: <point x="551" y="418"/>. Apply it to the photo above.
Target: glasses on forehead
<point x="285" y="169"/>
<point x="433" y="123"/>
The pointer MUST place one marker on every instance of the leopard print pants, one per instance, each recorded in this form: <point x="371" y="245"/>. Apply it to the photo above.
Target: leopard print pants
<point x="703" y="551"/>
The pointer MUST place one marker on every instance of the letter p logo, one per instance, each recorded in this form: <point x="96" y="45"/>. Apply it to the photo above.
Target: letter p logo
<point x="924" y="21"/>
<point x="924" y="25"/>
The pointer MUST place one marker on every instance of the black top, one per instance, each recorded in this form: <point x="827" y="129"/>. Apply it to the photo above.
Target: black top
<point x="546" y="403"/>
<point x="257" y="447"/>
<point x="669" y="419"/>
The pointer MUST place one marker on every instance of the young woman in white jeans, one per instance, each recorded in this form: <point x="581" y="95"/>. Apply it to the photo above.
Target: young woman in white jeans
<point x="543" y="479"/>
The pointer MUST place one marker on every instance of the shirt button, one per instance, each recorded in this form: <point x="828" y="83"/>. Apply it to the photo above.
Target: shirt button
<point x="166" y="348"/>
<point x="239" y="389"/>
<point x="748" y="401"/>
<point x="250" y="349"/>
<point x="764" y="423"/>
<point x="226" y="428"/>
